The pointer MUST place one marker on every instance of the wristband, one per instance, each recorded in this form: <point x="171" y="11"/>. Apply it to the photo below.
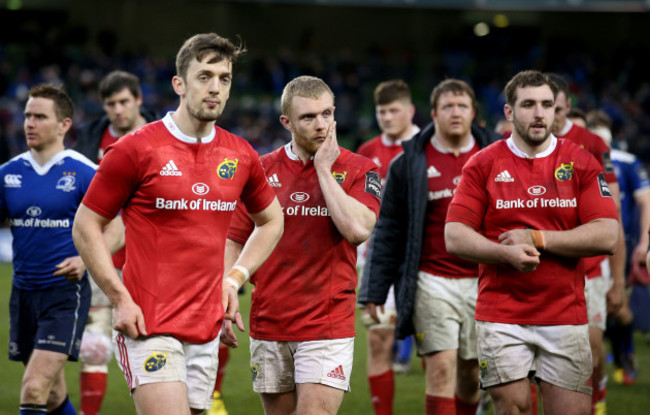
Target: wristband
<point x="243" y="270"/>
<point x="233" y="282"/>
<point x="237" y="276"/>
<point x="538" y="239"/>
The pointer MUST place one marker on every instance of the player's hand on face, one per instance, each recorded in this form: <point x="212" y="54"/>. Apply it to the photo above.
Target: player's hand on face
<point x="516" y="236"/>
<point x="71" y="268"/>
<point x="523" y="257"/>
<point x="329" y="151"/>
<point x="128" y="319"/>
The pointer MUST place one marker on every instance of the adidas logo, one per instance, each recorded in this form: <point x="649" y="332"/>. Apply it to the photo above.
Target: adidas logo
<point x="433" y="172"/>
<point x="504" y="176"/>
<point x="274" y="181"/>
<point x="337" y="373"/>
<point x="170" y="169"/>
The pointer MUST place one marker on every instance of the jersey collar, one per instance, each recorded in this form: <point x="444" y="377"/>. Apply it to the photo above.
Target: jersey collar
<point x="389" y="143"/>
<point x="515" y="150"/>
<point x="436" y="144"/>
<point x="42" y="170"/>
<point x="291" y="154"/>
<point x="173" y="129"/>
<point x="567" y="126"/>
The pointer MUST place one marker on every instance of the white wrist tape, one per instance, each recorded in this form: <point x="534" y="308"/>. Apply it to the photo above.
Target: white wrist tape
<point x="233" y="282"/>
<point x="243" y="270"/>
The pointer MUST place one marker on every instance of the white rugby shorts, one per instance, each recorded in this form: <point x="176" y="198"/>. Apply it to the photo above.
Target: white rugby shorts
<point x="166" y="359"/>
<point x="278" y="366"/>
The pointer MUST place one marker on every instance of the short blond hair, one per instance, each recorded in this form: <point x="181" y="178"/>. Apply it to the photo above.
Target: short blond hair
<point x="303" y="86"/>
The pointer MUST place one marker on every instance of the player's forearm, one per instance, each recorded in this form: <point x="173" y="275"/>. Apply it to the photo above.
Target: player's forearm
<point x="114" y="234"/>
<point x="598" y="237"/>
<point x="269" y="226"/>
<point x="643" y="202"/>
<point x="465" y="242"/>
<point x="352" y="218"/>
<point x="87" y="233"/>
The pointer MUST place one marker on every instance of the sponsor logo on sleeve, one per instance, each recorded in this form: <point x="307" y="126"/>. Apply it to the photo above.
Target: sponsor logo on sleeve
<point x="227" y="169"/>
<point x="602" y="186"/>
<point x="340" y="177"/>
<point x="608" y="164"/>
<point x="564" y="172"/>
<point x="373" y="183"/>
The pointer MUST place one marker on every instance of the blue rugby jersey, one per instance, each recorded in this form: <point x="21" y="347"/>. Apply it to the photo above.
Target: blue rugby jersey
<point x="40" y="203"/>
<point x="632" y="178"/>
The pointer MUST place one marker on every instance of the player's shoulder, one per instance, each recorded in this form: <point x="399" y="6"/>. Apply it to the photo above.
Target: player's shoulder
<point x="494" y="151"/>
<point x="274" y="157"/>
<point x="14" y="162"/>
<point x="354" y="160"/>
<point x="623" y="156"/>
<point x="369" y="146"/>
<point x="76" y="158"/>
<point x="567" y="146"/>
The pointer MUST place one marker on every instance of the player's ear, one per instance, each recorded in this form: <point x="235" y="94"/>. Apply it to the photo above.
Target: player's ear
<point x="64" y="125"/>
<point x="284" y="120"/>
<point x="507" y="111"/>
<point x="178" y="84"/>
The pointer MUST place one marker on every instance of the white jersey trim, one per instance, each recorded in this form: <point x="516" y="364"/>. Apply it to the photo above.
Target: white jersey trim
<point x="173" y="129"/>
<point x="390" y="143"/>
<point x="436" y="144"/>
<point x="291" y="154"/>
<point x="43" y="170"/>
<point x="515" y="150"/>
<point x="567" y="127"/>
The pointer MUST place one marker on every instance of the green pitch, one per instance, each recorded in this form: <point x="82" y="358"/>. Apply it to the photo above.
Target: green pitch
<point x="240" y="398"/>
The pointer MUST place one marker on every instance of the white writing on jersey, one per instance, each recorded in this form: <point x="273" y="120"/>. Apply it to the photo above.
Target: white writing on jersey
<point x="39" y="223"/>
<point x="555" y="202"/>
<point x="441" y="194"/>
<point x="306" y="211"/>
<point x="196" y="204"/>
<point x="13" y="180"/>
<point x="170" y="169"/>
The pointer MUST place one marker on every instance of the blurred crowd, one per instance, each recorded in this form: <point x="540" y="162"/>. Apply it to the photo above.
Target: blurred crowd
<point x="615" y="86"/>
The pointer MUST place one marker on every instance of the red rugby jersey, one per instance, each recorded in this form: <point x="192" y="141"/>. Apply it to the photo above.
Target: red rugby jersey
<point x="596" y="146"/>
<point x="382" y="151"/>
<point x="560" y="189"/>
<point x="443" y="173"/>
<point x="109" y="138"/>
<point x="177" y="197"/>
<point x="306" y="289"/>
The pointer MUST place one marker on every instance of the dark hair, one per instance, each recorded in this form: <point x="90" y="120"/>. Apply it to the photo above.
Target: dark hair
<point x="455" y="86"/>
<point x="577" y="113"/>
<point x="116" y="81"/>
<point x="559" y="81"/>
<point x="598" y="118"/>
<point x="205" y="44"/>
<point x="63" y="107"/>
<point x="391" y="91"/>
<point x="524" y="79"/>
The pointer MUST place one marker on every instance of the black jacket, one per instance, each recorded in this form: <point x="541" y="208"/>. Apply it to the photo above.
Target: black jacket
<point x="393" y="255"/>
<point x="90" y="134"/>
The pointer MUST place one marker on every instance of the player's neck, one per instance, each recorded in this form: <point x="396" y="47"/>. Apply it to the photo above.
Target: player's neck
<point x="190" y="125"/>
<point x="453" y="143"/>
<point x="404" y="135"/>
<point x="42" y="156"/>
<point x="300" y="152"/>
<point x="139" y="122"/>
<point x="529" y="148"/>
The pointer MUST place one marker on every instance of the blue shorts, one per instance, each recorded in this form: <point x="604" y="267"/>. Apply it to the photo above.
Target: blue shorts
<point x="49" y="319"/>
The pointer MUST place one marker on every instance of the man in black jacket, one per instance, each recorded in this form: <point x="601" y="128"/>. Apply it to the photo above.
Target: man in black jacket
<point x="436" y="292"/>
<point x="122" y="99"/>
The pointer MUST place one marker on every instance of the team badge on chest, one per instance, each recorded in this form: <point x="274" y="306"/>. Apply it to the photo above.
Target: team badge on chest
<point x="564" y="172"/>
<point x="227" y="168"/>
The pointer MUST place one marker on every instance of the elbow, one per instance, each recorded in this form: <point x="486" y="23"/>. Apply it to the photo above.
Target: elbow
<point x="610" y="240"/>
<point x="451" y="241"/>
<point x="360" y="233"/>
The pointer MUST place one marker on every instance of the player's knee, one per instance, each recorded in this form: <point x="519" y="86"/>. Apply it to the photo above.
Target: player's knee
<point x="96" y="349"/>
<point x="35" y="389"/>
